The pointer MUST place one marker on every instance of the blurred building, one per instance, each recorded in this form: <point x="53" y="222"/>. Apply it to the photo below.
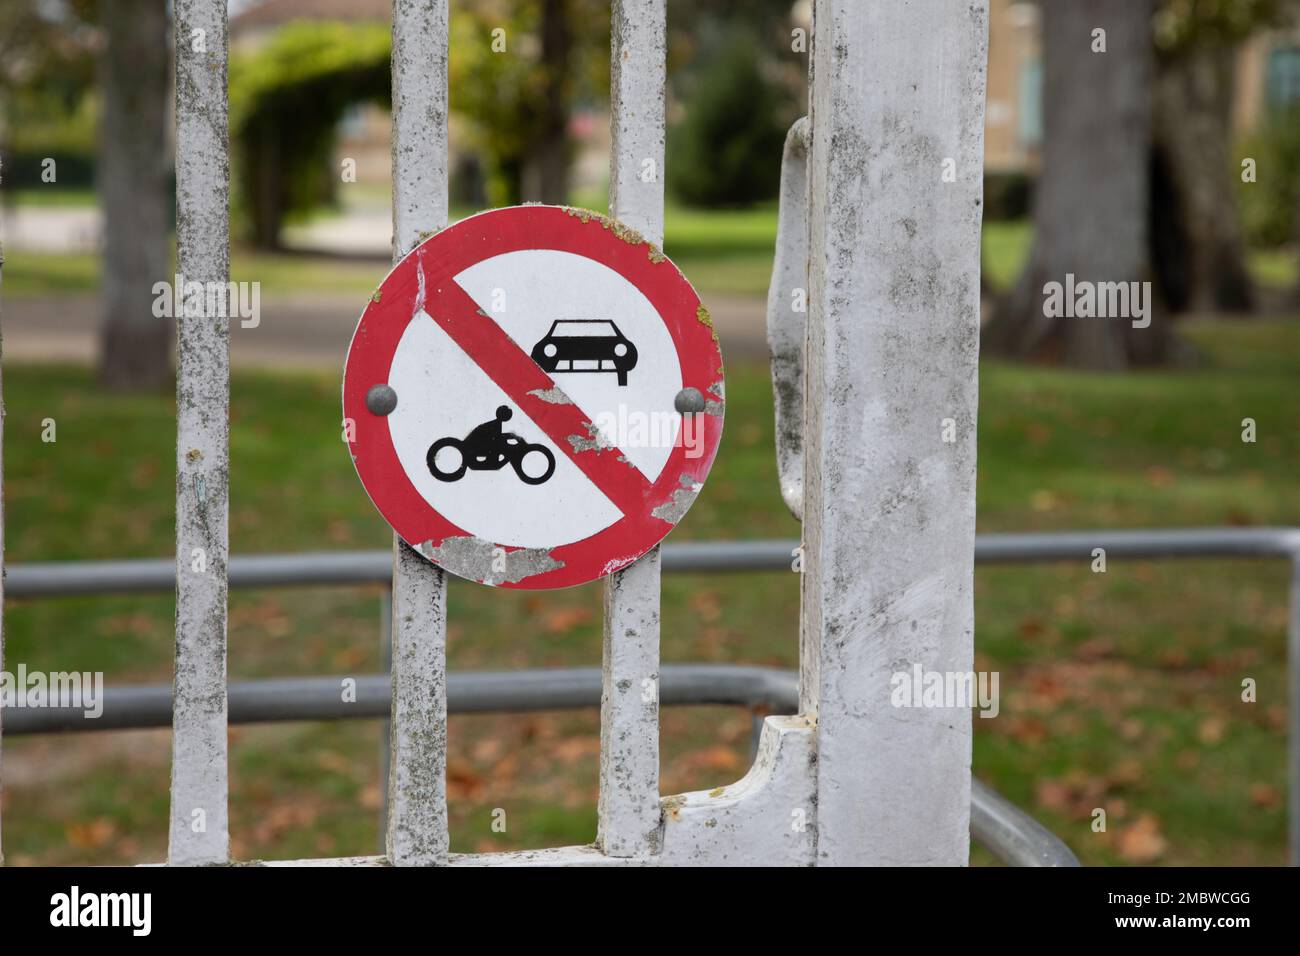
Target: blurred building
<point x="1268" y="76"/>
<point x="1013" y="119"/>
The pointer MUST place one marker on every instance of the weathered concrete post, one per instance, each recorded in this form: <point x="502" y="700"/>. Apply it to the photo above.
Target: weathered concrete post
<point x="417" y="785"/>
<point x="199" y="831"/>
<point x="895" y="180"/>
<point x="629" y="813"/>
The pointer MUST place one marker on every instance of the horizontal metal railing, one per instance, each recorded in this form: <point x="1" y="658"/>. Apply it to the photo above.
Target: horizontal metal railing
<point x="468" y="692"/>
<point x="994" y="822"/>
<point x="1009" y="833"/>
<point x="67" y="578"/>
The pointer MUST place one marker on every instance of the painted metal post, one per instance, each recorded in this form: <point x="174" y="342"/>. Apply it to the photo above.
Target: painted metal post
<point x="895" y="179"/>
<point x="629" y="813"/>
<point x="417" y="783"/>
<point x="198" y="832"/>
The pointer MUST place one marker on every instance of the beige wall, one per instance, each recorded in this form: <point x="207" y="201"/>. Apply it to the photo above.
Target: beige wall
<point x="1249" y="98"/>
<point x="1013" y="42"/>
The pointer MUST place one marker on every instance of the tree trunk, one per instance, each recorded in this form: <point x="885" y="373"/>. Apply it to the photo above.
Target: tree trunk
<point x="268" y="201"/>
<point x="136" y="346"/>
<point x="1091" y="203"/>
<point x="1193" y="108"/>
<point x="551" y="159"/>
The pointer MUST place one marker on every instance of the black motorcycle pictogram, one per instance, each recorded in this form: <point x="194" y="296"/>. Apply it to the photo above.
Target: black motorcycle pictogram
<point x="488" y="448"/>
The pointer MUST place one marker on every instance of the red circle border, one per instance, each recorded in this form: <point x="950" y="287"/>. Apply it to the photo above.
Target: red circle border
<point x="494" y="233"/>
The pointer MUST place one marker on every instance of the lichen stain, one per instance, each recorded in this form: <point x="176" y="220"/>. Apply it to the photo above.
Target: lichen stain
<point x="672" y="807"/>
<point x="620" y="231"/>
<point x="702" y="316"/>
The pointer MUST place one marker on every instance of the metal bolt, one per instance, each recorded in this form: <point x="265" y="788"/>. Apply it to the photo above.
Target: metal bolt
<point x="381" y="399"/>
<point x="689" y="401"/>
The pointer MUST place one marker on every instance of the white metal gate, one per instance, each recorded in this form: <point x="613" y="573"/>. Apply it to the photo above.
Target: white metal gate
<point x="885" y="249"/>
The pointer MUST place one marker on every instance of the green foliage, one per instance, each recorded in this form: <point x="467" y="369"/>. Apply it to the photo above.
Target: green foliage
<point x="1008" y="195"/>
<point x="1182" y="24"/>
<point x="501" y="96"/>
<point x="727" y="151"/>
<point x="1269" y="205"/>
<point x="47" y="105"/>
<point x="286" y="99"/>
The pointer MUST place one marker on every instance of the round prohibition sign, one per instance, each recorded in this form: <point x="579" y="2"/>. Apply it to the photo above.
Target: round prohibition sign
<point x="533" y="397"/>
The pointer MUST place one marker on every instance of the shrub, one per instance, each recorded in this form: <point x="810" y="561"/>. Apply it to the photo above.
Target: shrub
<point x="727" y="150"/>
<point x="1269" y="205"/>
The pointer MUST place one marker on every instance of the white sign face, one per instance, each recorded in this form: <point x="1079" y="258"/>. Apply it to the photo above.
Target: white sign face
<point x="544" y="412"/>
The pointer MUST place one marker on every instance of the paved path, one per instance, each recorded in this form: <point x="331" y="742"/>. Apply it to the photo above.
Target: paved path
<point x="307" y="332"/>
<point x="298" y="331"/>
<point x="51" y="228"/>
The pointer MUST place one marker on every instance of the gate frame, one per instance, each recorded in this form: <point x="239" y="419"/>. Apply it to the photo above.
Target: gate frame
<point x="894" y="88"/>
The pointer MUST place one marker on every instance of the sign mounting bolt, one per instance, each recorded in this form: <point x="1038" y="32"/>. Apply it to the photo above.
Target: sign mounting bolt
<point x="381" y="399"/>
<point x="689" y="401"/>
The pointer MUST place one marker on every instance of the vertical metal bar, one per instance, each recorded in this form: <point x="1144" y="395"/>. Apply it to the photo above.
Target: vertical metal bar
<point x="198" y="831"/>
<point x="893" y="343"/>
<point x="385" y="734"/>
<point x="1293" y="702"/>
<point x="417" y="832"/>
<point x="629" y="814"/>
<point x="417" y="782"/>
<point x="786" y="329"/>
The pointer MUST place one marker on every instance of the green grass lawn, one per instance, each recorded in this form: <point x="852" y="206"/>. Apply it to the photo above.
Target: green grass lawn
<point x="1119" y="690"/>
<point x="62" y="197"/>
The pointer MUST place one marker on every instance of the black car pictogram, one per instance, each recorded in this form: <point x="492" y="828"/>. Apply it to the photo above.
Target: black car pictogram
<point x="585" y="345"/>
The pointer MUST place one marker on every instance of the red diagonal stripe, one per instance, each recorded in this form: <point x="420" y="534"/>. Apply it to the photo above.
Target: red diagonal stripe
<point x="517" y="374"/>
